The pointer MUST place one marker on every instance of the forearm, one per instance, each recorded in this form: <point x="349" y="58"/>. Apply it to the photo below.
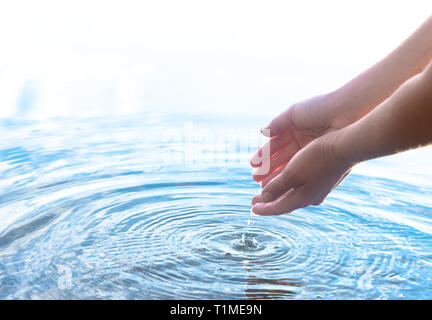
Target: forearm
<point x="369" y="89"/>
<point x="402" y="122"/>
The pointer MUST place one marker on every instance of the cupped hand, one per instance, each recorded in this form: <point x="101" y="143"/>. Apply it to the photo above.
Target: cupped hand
<point x="306" y="180"/>
<point x="293" y="129"/>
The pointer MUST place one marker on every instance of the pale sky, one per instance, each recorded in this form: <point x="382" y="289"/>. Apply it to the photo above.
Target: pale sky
<point x="91" y="58"/>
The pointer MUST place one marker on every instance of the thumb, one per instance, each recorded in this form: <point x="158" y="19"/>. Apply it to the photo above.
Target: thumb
<point x="289" y="201"/>
<point x="279" y="124"/>
<point x="280" y="184"/>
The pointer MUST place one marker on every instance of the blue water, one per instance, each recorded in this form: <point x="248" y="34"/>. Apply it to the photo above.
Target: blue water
<point x="150" y="207"/>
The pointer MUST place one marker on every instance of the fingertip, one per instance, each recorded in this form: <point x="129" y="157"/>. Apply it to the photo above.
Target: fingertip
<point x="255" y="161"/>
<point x="256" y="199"/>
<point x="258" y="208"/>
<point x="254" y="165"/>
<point x="266" y="132"/>
<point x="255" y="214"/>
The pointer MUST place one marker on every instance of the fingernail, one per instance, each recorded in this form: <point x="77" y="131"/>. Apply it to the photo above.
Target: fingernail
<point x="265" y="131"/>
<point x="267" y="197"/>
<point x="256" y="160"/>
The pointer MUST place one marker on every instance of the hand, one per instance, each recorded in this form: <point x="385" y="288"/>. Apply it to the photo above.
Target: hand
<point x="306" y="180"/>
<point x="293" y="129"/>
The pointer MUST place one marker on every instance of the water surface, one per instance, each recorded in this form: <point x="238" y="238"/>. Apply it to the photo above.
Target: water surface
<point x="157" y="207"/>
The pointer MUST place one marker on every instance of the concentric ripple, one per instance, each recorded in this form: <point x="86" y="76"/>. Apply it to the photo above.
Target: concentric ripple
<point x="88" y="213"/>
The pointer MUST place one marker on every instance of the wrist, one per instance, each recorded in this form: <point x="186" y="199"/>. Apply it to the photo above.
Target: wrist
<point x="345" y="107"/>
<point x="345" y="148"/>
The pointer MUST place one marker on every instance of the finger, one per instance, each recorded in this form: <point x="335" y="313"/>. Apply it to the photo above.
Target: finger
<point x="279" y="124"/>
<point x="288" y="202"/>
<point x="280" y="184"/>
<point x="274" y="145"/>
<point x="267" y="179"/>
<point x="256" y="199"/>
<point x="278" y="160"/>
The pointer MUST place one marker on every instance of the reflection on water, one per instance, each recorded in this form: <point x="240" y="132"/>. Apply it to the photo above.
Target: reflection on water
<point x="127" y="208"/>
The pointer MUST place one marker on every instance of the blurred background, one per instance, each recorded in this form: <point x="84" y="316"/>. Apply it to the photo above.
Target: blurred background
<point x="95" y="58"/>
